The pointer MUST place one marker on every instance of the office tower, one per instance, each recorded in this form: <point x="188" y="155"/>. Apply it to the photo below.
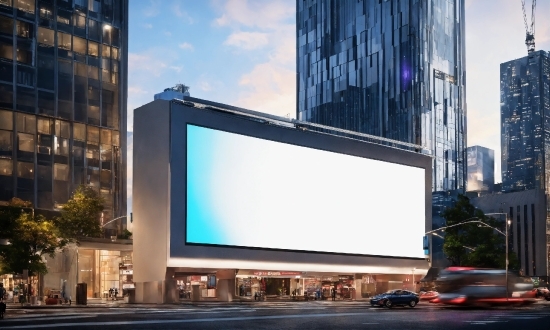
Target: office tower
<point x="394" y="69"/>
<point x="63" y="86"/>
<point x="481" y="169"/>
<point x="524" y="117"/>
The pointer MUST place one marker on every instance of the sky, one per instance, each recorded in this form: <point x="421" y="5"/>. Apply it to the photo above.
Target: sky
<point x="243" y="53"/>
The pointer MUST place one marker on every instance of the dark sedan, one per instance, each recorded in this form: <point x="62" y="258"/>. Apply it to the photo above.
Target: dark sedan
<point x="395" y="298"/>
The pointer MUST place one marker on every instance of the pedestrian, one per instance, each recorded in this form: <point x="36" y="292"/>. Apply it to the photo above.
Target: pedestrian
<point x="116" y="293"/>
<point x="333" y="294"/>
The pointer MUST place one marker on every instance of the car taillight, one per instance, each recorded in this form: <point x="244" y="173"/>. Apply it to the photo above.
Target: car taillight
<point x="459" y="300"/>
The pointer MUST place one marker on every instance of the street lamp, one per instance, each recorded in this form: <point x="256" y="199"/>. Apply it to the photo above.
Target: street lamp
<point x="481" y="223"/>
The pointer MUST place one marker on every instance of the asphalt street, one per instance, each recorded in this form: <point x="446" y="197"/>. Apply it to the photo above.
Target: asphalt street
<point x="279" y="315"/>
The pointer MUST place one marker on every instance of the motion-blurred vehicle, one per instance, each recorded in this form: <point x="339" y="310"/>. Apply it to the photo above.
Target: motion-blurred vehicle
<point x="482" y="287"/>
<point x="428" y="295"/>
<point x="543" y="293"/>
<point x="395" y="298"/>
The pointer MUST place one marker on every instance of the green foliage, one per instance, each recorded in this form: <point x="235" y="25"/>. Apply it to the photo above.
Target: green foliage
<point x="33" y="237"/>
<point x="126" y="234"/>
<point x="81" y="215"/>
<point x="474" y="244"/>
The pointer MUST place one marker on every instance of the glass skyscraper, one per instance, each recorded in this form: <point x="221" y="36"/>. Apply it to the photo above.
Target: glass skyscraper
<point x="394" y="69"/>
<point x="481" y="169"/>
<point x="525" y="122"/>
<point x="63" y="90"/>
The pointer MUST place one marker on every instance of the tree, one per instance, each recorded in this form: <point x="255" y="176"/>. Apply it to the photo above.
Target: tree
<point x="473" y="244"/>
<point x="80" y="216"/>
<point x="33" y="237"/>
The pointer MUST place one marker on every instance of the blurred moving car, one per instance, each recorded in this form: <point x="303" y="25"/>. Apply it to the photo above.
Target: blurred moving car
<point x="543" y="292"/>
<point x="428" y="295"/>
<point x="474" y="286"/>
<point x="395" y="298"/>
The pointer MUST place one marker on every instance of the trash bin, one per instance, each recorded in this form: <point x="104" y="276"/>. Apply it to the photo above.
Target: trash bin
<point x="81" y="294"/>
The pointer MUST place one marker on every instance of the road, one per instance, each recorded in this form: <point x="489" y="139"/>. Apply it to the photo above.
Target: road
<point x="278" y="315"/>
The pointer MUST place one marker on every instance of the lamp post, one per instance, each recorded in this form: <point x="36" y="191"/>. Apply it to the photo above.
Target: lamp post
<point x="481" y="223"/>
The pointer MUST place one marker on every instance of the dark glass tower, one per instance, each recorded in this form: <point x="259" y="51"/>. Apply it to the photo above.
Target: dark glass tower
<point x="525" y="122"/>
<point x="393" y="68"/>
<point x="63" y="90"/>
<point x="481" y="169"/>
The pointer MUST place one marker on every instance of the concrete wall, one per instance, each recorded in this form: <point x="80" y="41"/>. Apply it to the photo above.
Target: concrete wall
<point x="151" y="199"/>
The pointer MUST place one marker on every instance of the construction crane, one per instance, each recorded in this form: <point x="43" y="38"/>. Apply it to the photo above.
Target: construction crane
<point x="529" y="29"/>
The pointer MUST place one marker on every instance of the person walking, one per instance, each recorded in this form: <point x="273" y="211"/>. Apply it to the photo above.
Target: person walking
<point x="333" y="294"/>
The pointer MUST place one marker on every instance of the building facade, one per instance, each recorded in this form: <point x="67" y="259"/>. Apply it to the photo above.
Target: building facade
<point x="394" y="69"/>
<point x="229" y="217"/>
<point x="481" y="169"/>
<point x="63" y="90"/>
<point x="526" y="211"/>
<point x="524" y="116"/>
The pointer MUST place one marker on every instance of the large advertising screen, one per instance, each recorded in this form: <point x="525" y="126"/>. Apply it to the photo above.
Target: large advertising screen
<point x="250" y="192"/>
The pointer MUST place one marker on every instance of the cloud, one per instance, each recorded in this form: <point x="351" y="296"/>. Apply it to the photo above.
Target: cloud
<point x="153" y="9"/>
<point x="176" y="68"/>
<point x="187" y="46"/>
<point x="247" y="40"/>
<point x="134" y="90"/>
<point x="167" y="33"/>
<point x="148" y="25"/>
<point x="182" y="14"/>
<point x="263" y="14"/>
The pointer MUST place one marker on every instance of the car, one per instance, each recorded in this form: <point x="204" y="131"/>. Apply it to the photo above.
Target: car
<point x="428" y="296"/>
<point x="395" y="298"/>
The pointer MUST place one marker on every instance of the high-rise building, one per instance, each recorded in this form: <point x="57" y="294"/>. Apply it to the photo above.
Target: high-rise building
<point x="524" y="118"/>
<point x="63" y="90"/>
<point x="393" y="68"/>
<point x="481" y="169"/>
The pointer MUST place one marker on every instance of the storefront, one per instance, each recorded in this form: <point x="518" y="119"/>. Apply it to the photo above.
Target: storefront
<point x="206" y="286"/>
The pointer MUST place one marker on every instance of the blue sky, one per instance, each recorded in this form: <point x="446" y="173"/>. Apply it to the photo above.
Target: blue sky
<point x="242" y="52"/>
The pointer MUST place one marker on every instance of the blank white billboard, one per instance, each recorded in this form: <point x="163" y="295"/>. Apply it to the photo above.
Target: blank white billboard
<point x="250" y="192"/>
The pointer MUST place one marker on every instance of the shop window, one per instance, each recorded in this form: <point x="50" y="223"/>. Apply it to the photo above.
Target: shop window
<point x="24" y="29"/>
<point x="6" y="120"/>
<point x="93" y="48"/>
<point x="24" y="5"/>
<point x="64" y="41"/>
<point x="46" y="103"/>
<point x="79" y="132"/>
<point x="6" y="166"/>
<point x="26" y="99"/>
<point x="79" y="45"/>
<point x="25" y="170"/>
<point x="6" y="144"/>
<point x="62" y="129"/>
<point x="45" y="37"/>
<point x="6" y="96"/>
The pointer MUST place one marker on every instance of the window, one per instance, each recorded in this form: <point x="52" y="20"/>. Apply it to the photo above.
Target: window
<point x="6" y="167"/>
<point x="93" y="135"/>
<point x="44" y="126"/>
<point x="79" y="45"/>
<point x="6" y="49"/>
<point x="46" y="10"/>
<point x="93" y="48"/>
<point x="25" y="49"/>
<point x="6" y="25"/>
<point x="46" y="75"/>
<point x="24" y="5"/>
<point x="79" y="132"/>
<point x="6" y="120"/>
<point x="94" y="5"/>
<point x="62" y="129"/>
<point x="61" y="172"/>
<point x="25" y="142"/>
<point x="61" y="146"/>
<point x="45" y="37"/>
<point x="25" y="170"/>
<point x="80" y="69"/>
<point x="105" y="136"/>
<point x="114" y="53"/>
<point x="116" y="141"/>
<point x="64" y="41"/>
<point x="26" y="99"/>
<point x="26" y="123"/>
<point x="79" y="25"/>
<point x="94" y="30"/>
<point x="24" y="29"/>
<point x="93" y="72"/>
<point x="63" y="18"/>
<point x="46" y="103"/>
<point x="107" y="33"/>
<point x="6" y="145"/>
<point x="45" y="144"/>
<point x="25" y="75"/>
<point x="105" y="51"/>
